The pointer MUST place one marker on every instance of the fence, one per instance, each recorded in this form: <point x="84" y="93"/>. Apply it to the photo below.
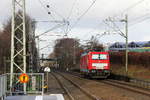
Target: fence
<point x="33" y="86"/>
<point x="3" y="86"/>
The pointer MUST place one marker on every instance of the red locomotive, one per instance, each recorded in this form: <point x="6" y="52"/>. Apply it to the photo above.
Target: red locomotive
<point x="95" y="64"/>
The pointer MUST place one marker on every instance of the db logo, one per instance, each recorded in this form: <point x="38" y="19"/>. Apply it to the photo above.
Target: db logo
<point x="99" y="61"/>
<point x="23" y="78"/>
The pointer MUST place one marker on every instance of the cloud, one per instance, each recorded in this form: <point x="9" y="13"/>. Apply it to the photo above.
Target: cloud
<point x="91" y="23"/>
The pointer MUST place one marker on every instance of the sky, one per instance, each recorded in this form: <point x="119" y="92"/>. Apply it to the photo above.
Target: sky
<point x="85" y="20"/>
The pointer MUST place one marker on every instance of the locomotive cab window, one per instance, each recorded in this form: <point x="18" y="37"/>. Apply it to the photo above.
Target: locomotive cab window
<point x="99" y="56"/>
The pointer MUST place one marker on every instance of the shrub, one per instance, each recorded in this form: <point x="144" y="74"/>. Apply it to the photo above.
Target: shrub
<point x="134" y="58"/>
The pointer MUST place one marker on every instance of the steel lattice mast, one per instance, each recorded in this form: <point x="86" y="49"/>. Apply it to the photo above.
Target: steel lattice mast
<point x="18" y="40"/>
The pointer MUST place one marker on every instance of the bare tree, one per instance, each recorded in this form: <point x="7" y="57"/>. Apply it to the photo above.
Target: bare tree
<point x="93" y="44"/>
<point x="66" y="51"/>
<point x="5" y="41"/>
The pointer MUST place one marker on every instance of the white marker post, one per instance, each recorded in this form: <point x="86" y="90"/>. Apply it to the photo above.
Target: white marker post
<point x="47" y="70"/>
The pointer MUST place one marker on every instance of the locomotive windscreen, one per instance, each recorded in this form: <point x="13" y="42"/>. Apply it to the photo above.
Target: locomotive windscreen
<point x="99" y="56"/>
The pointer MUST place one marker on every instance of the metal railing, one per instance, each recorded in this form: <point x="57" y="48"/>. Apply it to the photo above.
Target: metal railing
<point x="33" y="86"/>
<point x="3" y="86"/>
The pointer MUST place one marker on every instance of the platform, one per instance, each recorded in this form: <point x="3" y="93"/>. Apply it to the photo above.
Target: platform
<point x="39" y="97"/>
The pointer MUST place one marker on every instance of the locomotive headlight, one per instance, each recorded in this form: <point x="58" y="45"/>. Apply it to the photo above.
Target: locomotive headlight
<point x="105" y="64"/>
<point x="99" y="64"/>
<point x="94" y="64"/>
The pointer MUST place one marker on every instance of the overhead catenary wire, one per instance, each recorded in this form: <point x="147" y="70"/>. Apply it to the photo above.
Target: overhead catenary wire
<point x="129" y="8"/>
<point x="45" y="47"/>
<point x="57" y="26"/>
<point x="140" y="19"/>
<point x="133" y="5"/>
<point x="63" y="19"/>
<point x="120" y="32"/>
<point x="81" y="16"/>
<point x="45" y="8"/>
<point x="136" y="20"/>
<point x="78" y="19"/>
<point x="69" y="15"/>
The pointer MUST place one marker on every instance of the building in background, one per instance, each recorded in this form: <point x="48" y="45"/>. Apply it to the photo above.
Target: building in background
<point x="143" y="46"/>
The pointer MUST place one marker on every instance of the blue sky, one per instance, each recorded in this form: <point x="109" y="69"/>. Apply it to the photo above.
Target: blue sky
<point x="91" y="23"/>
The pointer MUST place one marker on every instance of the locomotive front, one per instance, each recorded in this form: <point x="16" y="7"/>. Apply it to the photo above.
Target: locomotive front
<point x="96" y="64"/>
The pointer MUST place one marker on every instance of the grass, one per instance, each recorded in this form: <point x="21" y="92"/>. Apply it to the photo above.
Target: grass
<point x="134" y="71"/>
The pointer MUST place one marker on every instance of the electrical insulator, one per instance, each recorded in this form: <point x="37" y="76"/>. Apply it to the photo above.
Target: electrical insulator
<point x="47" y="6"/>
<point x="49" y="12"/>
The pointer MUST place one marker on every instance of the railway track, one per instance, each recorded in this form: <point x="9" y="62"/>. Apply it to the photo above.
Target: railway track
<point x="73" y="90"/>
<point x="119" y="84"/>
<point x="126" y="86"/>
<point x="63" y="87"/>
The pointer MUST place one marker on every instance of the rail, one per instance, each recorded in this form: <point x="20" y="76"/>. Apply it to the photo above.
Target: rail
<point x="3" y="86"/>
<point x="141" y="83"/>
<point x="125" y="85"/>
<point x="63" y="87"/>
<point x="138" y="82"/>
<point x="93" y="97"/>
